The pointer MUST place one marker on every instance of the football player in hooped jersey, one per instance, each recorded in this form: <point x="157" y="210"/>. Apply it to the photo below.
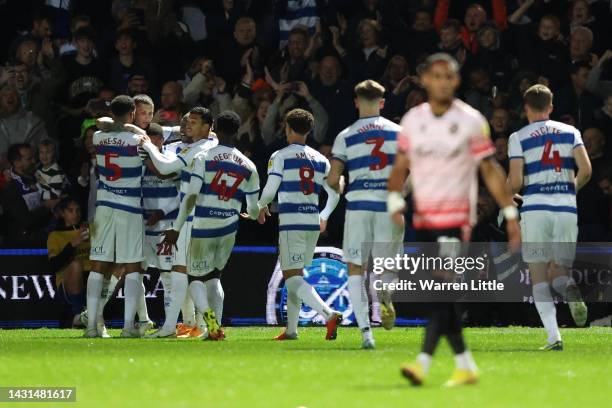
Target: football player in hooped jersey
<point x="297" y="173"/>
<point x="367" y="149"/>
<point x="117" y="231"/>
<point x="198" y="128"/>
<point x="542" y="159"/>
<point x="220" y="178"/>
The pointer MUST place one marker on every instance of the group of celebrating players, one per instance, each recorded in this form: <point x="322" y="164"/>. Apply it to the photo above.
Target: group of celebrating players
<point x="193" y="190"/>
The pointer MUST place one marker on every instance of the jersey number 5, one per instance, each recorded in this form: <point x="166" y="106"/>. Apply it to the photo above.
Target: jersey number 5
<point x="382" y="157"/>
<point x="114" y="168"/>
<point x="220" y="187"/>
<point x="555" y="160"/>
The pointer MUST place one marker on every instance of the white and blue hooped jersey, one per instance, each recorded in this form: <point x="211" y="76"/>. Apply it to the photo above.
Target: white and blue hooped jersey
<point x="303" y="171"/>
<point x="226" y="176"/>
<point x="547" y="148"/>
<point x="160" y="194"/>
<point x="368" y="148"/>
<point x="186" y="155"/>
<point x="120" y="171"/>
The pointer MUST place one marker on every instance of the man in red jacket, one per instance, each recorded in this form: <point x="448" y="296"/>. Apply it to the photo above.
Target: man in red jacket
<point x="475" y="15"/>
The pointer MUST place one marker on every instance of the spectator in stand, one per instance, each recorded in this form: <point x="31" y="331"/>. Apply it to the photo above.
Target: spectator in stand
<point x="581" y="16"/>
<point x="491" y="56"/>
<point x="451" y="41"/>
<point x="574" y="104"/>
<point x="369" y="58"/>
<point x="599" y="81"/>
<point x="593" y="206"/>
<point x="479" y="94"/>
<point x="288" y="96"/>
<point x="475" y="16"/>
<point x="52" y="180"/>
<point x="603" y="120"/>
<point x="137" y="84"/>
<point x="84" y="75"/>
<point x="291" y="62"/>
<point x="27" y="53"/>
<point x="398" y="83"/>
<point x="233" y="55"/>
<point x="127" y="63"/>
<point x="500" y="123"/>
<point x="27" y="215"/>
<point x="580" y="45"/>
<point x="501" y="151"/>
<point x="79" y="21"/>
<point x="421" y="39"/>
<point x="37" y="96"/>
<point x="17" y="125"/>
<point x="220" y="23"/>
<point x="68" y="250"/>
<point x="335" y="95"/>
<point x="250" y="140"/>
<point x="208" y="89"/>
<point x="172" y="106"/>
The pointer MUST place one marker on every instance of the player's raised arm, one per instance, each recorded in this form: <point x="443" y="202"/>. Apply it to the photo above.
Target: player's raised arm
<point x="164" y="164"/>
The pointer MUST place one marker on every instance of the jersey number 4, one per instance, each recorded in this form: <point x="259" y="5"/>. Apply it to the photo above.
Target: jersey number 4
<point x="382" y="157"/>
<point x="555" y="160"/>
<point x="115" y="169"/>
<point x="220" y="187"/>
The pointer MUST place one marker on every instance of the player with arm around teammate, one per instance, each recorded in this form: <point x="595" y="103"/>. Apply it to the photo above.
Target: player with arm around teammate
<point x="221" y="178"/>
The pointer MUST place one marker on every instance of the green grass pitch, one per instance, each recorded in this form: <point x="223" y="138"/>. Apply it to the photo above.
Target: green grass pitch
<point x="250" y="370"/>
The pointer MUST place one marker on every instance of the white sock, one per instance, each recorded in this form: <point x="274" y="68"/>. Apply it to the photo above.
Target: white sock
<point x="143" y="314"/>
<point x="425" y="360"/>
<point x="560" y="284"/>
<point x="197" y="291"/>
<point x="294" y="304"/>
<point x="309" y="295"/>
<point x="465" y="361"/>
<point x="546" y="308"/>
<point x="188" y="311"/>
<point x="94" y="289"/>
<point x="167" y="284"/>
<point x="215" y="295"/>
<point x="177" y="296"/>
<point x="107" y="293"/>
<point x="359" y="300"/>
<point x="133" y="290"/>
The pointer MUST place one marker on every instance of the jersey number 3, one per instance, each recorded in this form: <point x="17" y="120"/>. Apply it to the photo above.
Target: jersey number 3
<point x="115" y="169"/>
<point x="555" y="160"/>
<point x="220" y="187"/>
<point x="382" y="157"/>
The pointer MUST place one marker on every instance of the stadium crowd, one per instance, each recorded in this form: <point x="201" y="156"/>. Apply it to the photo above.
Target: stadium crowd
<point x="63" y="61"/>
